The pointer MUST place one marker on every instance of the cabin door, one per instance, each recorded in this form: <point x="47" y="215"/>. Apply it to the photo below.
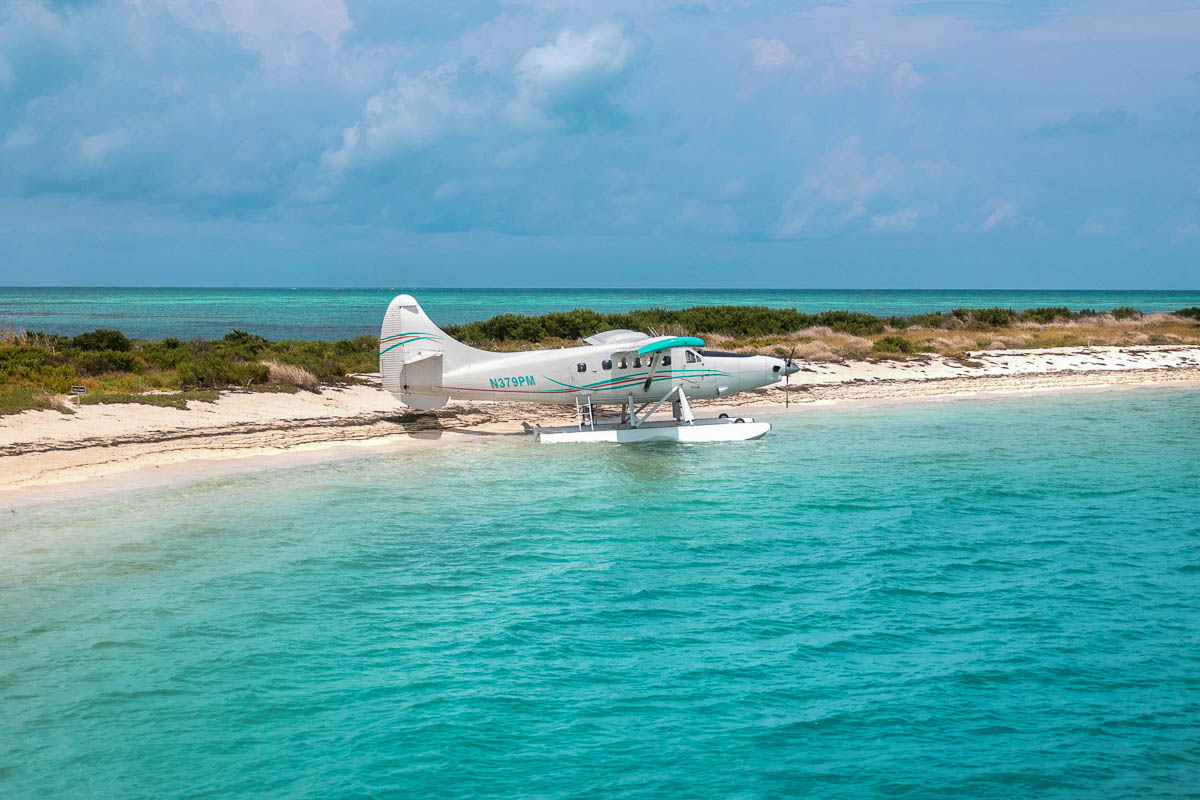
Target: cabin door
<point x="585" y="375"/>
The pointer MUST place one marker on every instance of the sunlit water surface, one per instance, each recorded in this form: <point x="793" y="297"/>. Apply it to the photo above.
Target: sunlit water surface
<point x="974" y="599"/>
<point x="299" y="313"/>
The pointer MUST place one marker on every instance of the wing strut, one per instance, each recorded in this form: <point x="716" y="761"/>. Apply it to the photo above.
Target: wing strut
<point x="634" y="421"/>
<point x="650" y="374"/>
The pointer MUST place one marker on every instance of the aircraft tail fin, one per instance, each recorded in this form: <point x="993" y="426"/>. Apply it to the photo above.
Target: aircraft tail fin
<point x="414" y="353"/>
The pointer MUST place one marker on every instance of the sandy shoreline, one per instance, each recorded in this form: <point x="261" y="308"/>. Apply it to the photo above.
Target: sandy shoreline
<point x="241" y="431"/>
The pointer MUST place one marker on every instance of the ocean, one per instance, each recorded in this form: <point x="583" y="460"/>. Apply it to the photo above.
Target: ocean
<point x="972" y="599"/>
<point x="346" y="313"/>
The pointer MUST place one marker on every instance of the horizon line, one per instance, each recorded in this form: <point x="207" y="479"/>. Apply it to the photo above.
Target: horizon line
<point x="609" y="288"/>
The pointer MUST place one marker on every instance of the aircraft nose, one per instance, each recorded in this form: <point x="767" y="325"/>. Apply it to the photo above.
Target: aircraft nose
<point x="778" y="368"/>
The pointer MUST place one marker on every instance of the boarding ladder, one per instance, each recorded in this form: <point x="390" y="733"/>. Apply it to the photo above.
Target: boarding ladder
<point x="584" y="414"/>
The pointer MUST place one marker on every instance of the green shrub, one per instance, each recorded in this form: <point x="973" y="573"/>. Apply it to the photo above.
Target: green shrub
<point x="996" y="316"/>
<point x="214" y="372"/>
<point x="735" y="321"/>
<point x="1045" y="315"/>
<point x="854" y="323"/>
<point x="894" y="344"/>
<point x="103" y="361"/>
<point x="329" y="361"/>
<point x="934" y="320"/>
<point x="1192" y="312"/>
<point x="22" y="362"/>
<point x="167" y="354"/>
<point x="103" y="339"/>
<point x="243" y="339"/>
<point x="1126" y="312"/>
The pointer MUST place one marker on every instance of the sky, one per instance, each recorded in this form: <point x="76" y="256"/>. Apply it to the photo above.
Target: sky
<point x="886" y="144"/>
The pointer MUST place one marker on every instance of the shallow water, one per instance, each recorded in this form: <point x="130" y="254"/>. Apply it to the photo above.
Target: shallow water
<point x="346" y="313"/>
<point x="973" y="599"/>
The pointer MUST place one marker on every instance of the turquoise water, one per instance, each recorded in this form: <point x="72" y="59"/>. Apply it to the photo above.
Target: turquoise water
<point x="345" y="313"/>
<point x="983" y="599"/>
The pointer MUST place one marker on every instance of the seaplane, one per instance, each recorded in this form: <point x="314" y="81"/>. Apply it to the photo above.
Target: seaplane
<point x="637" y="373"/>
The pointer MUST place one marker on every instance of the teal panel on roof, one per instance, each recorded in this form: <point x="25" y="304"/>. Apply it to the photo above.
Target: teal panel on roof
<point x="667" y="344"/>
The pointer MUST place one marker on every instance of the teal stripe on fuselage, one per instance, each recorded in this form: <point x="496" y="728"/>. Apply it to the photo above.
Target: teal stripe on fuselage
<point x="622" y="382"/>
<point x="401" y="344"/>
<point x="406" y="333"/>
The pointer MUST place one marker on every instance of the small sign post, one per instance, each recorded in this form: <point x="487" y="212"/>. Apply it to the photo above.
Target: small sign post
<point x="77" y="391"/>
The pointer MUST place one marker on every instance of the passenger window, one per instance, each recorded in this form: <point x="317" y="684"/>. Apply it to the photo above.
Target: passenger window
<point x="637" y="362"/>
<point x="582" y="367"/>
<point x="666" y="361"/>
<point x="606" y="364"/>
<point x="691" y="357"/>
<point x="624" y="364"/>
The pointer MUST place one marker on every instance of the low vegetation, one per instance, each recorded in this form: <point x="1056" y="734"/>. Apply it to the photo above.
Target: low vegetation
<point x="756" y="321"/>
<point x="165" y="399"/>
<point x="838" y="335"/>
<point x="38" y="370"/>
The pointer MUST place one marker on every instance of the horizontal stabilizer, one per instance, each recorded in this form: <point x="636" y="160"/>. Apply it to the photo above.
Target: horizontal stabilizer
<point x="421" y="356"/>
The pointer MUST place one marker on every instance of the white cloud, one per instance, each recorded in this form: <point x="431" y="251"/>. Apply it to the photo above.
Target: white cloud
<point x="770" y="55"/>
<point x="1103" y="223"/>
<point x="793" y="224"/>
<point x="563" y="84"/>
<point x="902" y="220"/>
<point x="1184" y="231"/>
<point x="95" y="149"/>
<point x="448" y="190"/>
<point x="1004" y="213"/>
<point x="411" y="114"/>
<point x="847" y="175"/>
<point x="935" y="169"/>
<point x="839" y="191"/>
<point x="570" y="78"/>
<point x="734" y="189"/>
<point x="265" y="25"/>
<point x="904" y="78"/>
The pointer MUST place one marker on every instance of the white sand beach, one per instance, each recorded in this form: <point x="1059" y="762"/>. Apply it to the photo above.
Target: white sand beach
<point x="48" y="448"/>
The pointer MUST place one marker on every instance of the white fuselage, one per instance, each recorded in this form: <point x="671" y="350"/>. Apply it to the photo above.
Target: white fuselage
<point x="590" y="372"/>
<point x="424" y="367"/>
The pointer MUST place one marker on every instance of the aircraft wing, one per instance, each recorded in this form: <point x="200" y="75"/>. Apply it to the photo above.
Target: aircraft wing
<point x="667" y="342"/>
<point x="635" y="343"/>
<point x="650" y="346"/>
